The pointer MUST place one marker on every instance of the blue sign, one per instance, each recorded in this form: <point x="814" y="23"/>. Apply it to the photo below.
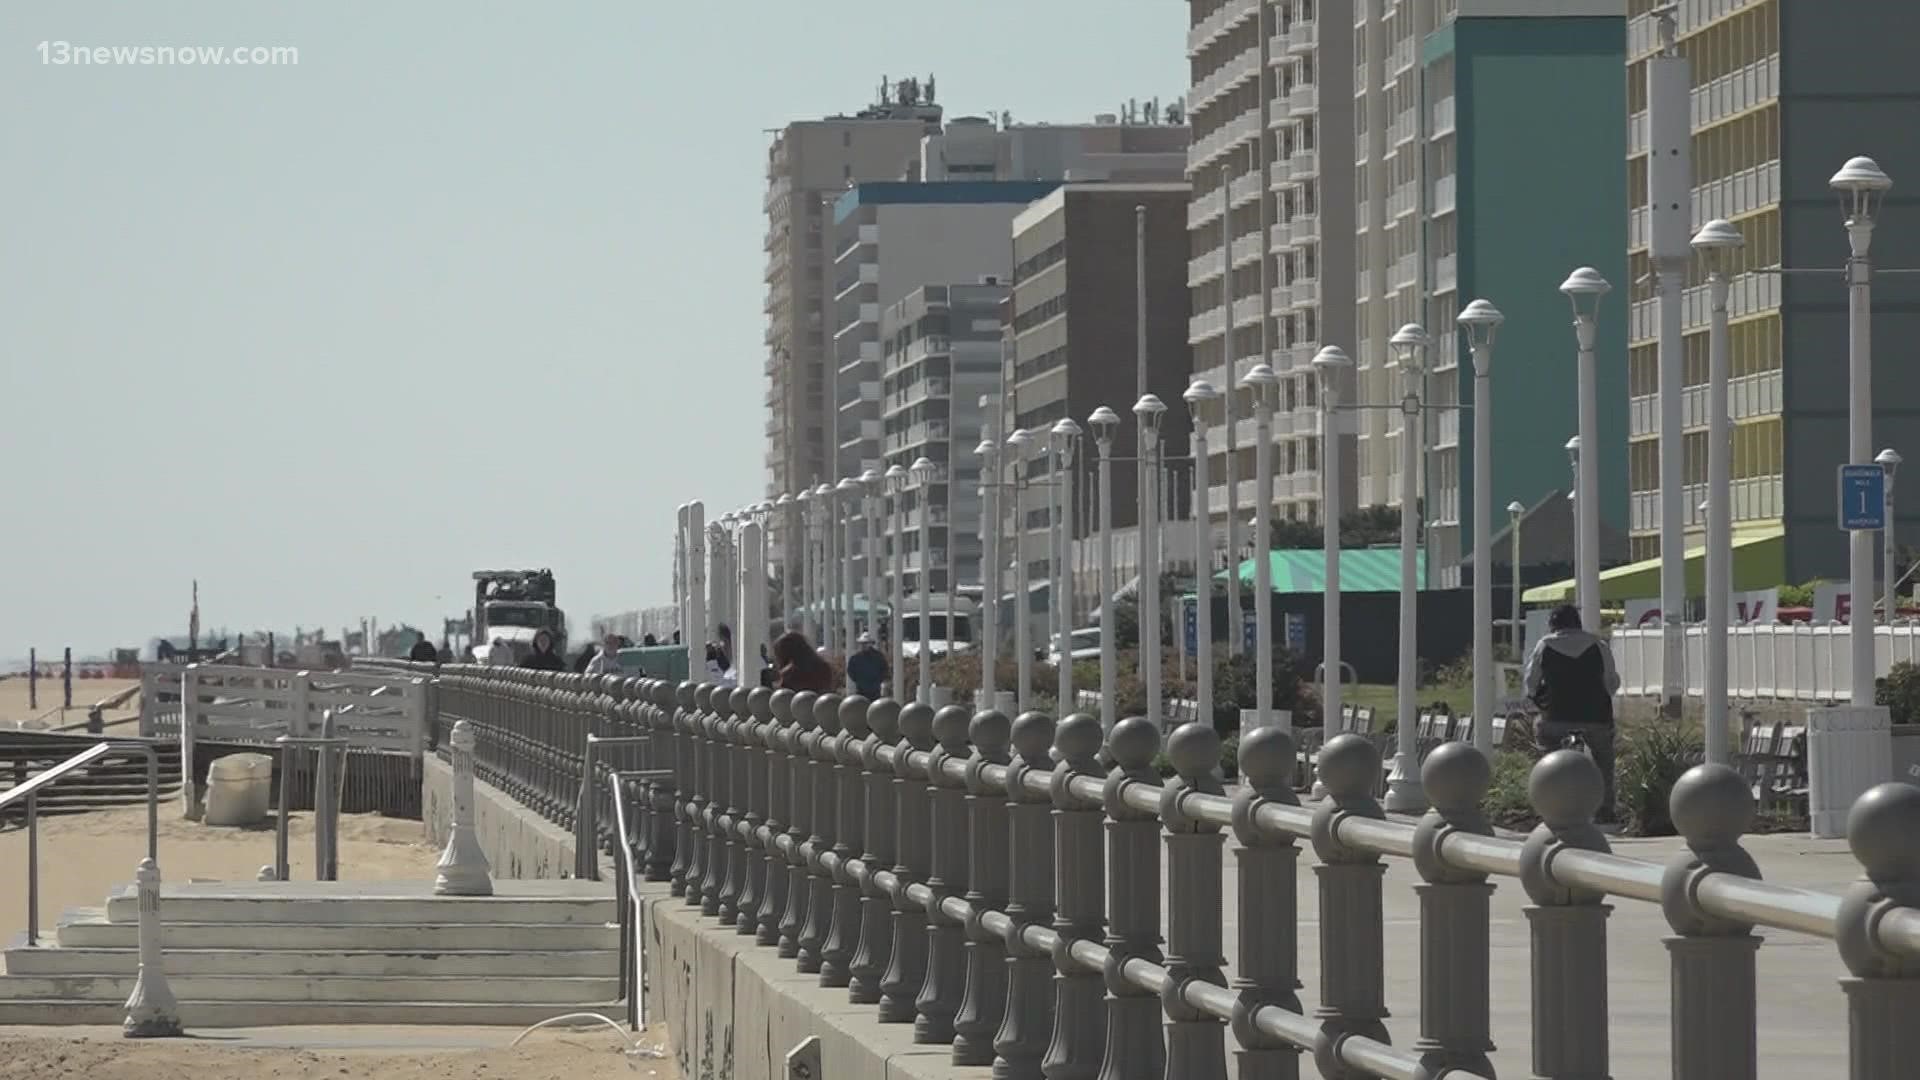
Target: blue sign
<point x="1189" y="616"/>
<point x="1863" y="498"/>
<point x="1249" y="632"/>
<point x="1296" y="633"/>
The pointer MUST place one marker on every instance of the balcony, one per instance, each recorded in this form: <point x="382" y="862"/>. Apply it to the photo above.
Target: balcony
<point x="1206" y="208"/>
<point x="1442" y="198"/>
<point x="1204" y="268"/>
<point x="1245" y="189"/>
<point x="1446" y="273"/>
<point x="1206" y="325"/>
<point x="1405" y="271"/>
<point x="1246" y="311"/>
<point x="777" y="191"/>
<point x="1303" y="164"/>
<point x="1303" y="37"/>
<point x="1248" y="248"/>
<point x="1304" y="98"/>
<point x="1749" y="294"/>
<point x="1239" y="69"/>
<point x="1306" y="291"/>
<point x="1441" y="122"/>
<point x="1734" y="92"/>
<point x="1304" y="229"/>
<point x="1282" y="297"/>
<point x="1748" y="397"/>
<point x="1214" y="26"/>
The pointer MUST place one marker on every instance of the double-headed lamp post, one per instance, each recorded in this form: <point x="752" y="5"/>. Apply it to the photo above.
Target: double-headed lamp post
<point x="1264" y="387"/>
<point x="809" y="611"/>
<point x="1889" y="462"/>
<point x="1019" y="446"/>
<point x="990" y="568"/>
<point x="1716" y="243"/>
<point x="1481" y="321"/>
<point x="1405" y="793"/>
<point x="872" y="487"/>
<point x="1064" y="438"/>
<point x="896" y="480"/>
<point x="829" y="591"/>
<point x="1330" y="363"/>
<point x="922" y="470"/>
<point x="1199" y="397"/>
<point x="790" y="572"/>
<point x="1861" y="185"/>
<point x="852" y="496"/>
<point x="1149" y="411"/>
<point x="1584" y="288"/>
<point x="1103" y="422"/>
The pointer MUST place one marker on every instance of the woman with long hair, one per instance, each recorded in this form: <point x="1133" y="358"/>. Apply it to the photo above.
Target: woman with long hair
<point x="800" y="667"/>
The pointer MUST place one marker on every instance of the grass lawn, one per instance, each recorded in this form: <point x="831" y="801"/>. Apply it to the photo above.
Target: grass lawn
<point x="1384" y="697"/>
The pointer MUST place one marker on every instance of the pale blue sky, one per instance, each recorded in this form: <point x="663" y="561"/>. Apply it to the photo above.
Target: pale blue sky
<point x="473" y="284"/>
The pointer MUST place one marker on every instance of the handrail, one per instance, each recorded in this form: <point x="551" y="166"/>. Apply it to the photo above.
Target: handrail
<point x="623" y="902"/>
<point x="29" y="792"/>
<point x="325" y="830"/>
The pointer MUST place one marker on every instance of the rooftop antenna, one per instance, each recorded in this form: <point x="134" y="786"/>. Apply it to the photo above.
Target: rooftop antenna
<point x="929" y="88"/>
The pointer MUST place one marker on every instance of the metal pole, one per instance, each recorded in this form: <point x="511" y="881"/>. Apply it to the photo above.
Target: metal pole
<point x="990" y="575"/>
<point x="1482" y="552"/>
<point x="897" y="480"/>
<point x="1141" y="467"/>
<point x="1860" y="447"/>
<point x="925" y="687"/>
<point x="1719" y="521"/>
<point x="1889" y="583"/>
<point x="1202" y="579"/>
<point x="1405" y="792"/>
<point x="1065" y="432"/>
<point x="1109" y="652"/>
<point x="1232" y="467"/>
<point x="1669" y="180"/>
<point x="694" y="634"/>
<point x="1587" y="507"/>
<point x="1264" y="384"/>
<point x="1331" y="686"/>
<point x="791" y="570"/>
<point x="850" y="488"/>
<point x="1023" y="601"/>
<point x="1513" y="582"/>
<point x="1149" y="595"/>
<point x="870" y="510"/>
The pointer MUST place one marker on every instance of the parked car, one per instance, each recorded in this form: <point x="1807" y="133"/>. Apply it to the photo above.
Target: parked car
<point x="1084" y="644"/>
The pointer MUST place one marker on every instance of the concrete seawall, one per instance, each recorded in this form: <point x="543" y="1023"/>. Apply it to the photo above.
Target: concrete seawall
<point x="735" y="1009"/>
<point x="518" y="842"/>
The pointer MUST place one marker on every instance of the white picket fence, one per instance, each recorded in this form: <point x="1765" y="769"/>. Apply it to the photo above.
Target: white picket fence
<point x="250" y="704"/>
<point x="1765" y="662"/>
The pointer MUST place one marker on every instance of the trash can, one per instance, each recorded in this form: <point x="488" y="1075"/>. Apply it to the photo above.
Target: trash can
<point x="238" y="787"/>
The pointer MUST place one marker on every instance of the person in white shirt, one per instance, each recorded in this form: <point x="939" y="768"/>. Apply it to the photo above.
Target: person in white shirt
<point x="607" y="660"/>
<point x="499" y="654"/>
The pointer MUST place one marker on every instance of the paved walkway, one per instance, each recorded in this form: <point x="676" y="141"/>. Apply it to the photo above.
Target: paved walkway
<point x="1802" y="1013"/>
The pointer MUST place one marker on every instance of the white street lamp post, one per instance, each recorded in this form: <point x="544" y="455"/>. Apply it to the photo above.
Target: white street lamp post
<point x="1514" y="511"/>
<point x="871" y="486"/>
<point x="1861" y="185"/>
<point x="1019" y="444"/>
<point x="1265" y="386"/>
<point x="851" y="495"/>
<point x="990" y="569"/>
<point x="1573" y="463"/>
<point x="896" y="478"/>
<point x="1405" y="793"/>
<point x="1104" y="421"/>
<point x="1585" y="288"/>
<point x="1199" y="396"/>
<point x="922" y="470"/>
<point x="1889" y="462"/>
<point x="1715" y="242"/>
<point x="1481" y="320"/>
<point x="1329" y="363"/>
<point x="1065" y="435"/>
<point x="1148" y="411"/>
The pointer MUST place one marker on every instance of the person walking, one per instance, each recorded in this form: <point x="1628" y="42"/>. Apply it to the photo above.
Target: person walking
<point x="607" y="660"/>
<point x="1570" y="676"/>
<point x="867" y="668"/>
<point x="543" y="658"/>
<point x="800" y="667"/>
<point x="499" y="653"/>
<point x="423" y="652"/>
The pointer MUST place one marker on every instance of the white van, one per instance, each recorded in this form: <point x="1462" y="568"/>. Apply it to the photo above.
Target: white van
<point x="951" y="625"/>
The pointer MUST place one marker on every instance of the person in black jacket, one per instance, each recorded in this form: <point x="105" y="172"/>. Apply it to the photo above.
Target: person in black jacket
<point x="424" y="653"/>
<point x="867" y="669"/>
<point x="1570" y="676"/>
<point x="543" y="658"/>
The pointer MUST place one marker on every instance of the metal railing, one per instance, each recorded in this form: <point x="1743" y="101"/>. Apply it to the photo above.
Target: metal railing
<point x="28" y="793"/>
<point x="989" y="881"/>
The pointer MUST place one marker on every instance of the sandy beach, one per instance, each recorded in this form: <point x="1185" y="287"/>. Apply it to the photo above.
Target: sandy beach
<point x="15" y="709"/>
<point x="82" y="856"/>
<point x="335" y="1054"/>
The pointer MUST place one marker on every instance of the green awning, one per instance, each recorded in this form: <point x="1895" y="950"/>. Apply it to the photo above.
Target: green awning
<point x="1759" y="562"/>
<point x="1304" y="570"/>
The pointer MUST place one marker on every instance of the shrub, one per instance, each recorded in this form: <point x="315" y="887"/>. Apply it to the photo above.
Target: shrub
<point x="1648" y="761"/>
<point x="1506" y="804"/>
<point x="1900" y="692"/>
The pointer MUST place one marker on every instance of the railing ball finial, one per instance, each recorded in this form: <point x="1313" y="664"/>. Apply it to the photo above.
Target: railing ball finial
<point x="1267" y="761"/>
<point x="991" y="732"/>
<point x="1194" y="749"/>
<point x="1133" y="743"/>
<point x="1882" y="828"/>
<point x="737" y="701"/>
<point x="760" y="703"/>
<point x="1711" y="806"/>
<point x="703" y="697"/>
<point x="1456" y="777"/>
<point x="916" y="725"/>
<point x="826" y="713"/>
<point x="1350" y="767"/>
<point x="1078" y="739"/>
<point x="950" y="729"/>
<point x="802" y="706"/>
<point x="782" y="704"/>
<point x="1565" y="789"/>
<point x="883" y="719"/>
<point x="683" y="695"/>
<point x="664" y="694"/>
<point x="853" y="716"/>
<point x="1033" y="734"/>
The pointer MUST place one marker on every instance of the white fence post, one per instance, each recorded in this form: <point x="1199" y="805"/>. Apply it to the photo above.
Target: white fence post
<point x="152" y="1011"/>
<point x="300" y="716"/>
<point x="463" y="866"/>
<point x="189" y="705"/>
